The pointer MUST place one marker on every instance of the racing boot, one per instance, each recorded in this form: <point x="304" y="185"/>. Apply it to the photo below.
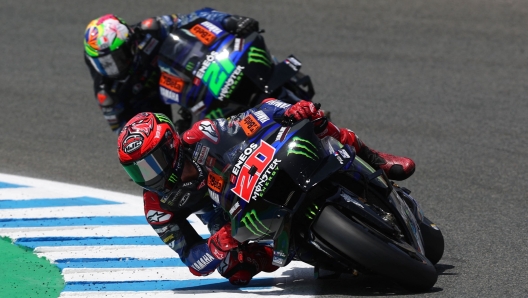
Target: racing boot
<point x="395" y="167"/>
<point x="251" y="260"/>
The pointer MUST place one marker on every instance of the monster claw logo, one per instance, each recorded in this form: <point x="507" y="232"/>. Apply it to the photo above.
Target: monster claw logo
<point x="253" y="223"/>
<point x="215" y="114"/>
<point x="190" y="66"/>
<point x="257" y="55"/>
<point x="173" y="178"/>
<point x="162" y="117"/>
<point x="303" y="147"/>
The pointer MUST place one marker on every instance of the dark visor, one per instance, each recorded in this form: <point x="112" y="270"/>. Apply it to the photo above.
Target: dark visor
<point x="114" y="63"/>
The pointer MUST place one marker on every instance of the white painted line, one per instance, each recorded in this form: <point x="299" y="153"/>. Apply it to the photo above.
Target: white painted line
<point x="80" y="231"/>
<point x="54" y="253"/>
<point x="130" y="274"/>
<point x="235" y="293"/>
<point x="28" y="193"/>
<point x="81" y="211"/>
<point x="72" y="190"/>
<point x="92" y="231"/>
<point x="155" y="273"/>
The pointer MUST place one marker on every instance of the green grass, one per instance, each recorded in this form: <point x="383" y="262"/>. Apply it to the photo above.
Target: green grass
<point x="23" y="274"/>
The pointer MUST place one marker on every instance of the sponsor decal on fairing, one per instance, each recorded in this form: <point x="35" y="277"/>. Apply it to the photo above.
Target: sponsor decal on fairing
<point x="343" y="153"/>
<point x="283" y="132"/>
<point x="170" y="95"/>
<point x="214" y="196"/>
<point x="279" y="104"/>
<point x="261" y="116"/>
<point x="235" y="209"/>
<point x="231" y="83"/>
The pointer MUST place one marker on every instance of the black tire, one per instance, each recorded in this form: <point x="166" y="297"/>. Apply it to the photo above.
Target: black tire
<point x="378" y="255"/>
<point x="433" y="240"/>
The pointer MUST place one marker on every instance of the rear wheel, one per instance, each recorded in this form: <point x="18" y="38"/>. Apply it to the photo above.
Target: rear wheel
<point x="374" y="251"/>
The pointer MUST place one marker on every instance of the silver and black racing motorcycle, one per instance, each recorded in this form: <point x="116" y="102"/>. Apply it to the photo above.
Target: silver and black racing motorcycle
<point x="319" y="203"/>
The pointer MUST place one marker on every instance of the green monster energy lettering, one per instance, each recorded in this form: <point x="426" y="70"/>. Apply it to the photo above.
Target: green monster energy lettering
<point x="267" y="182"/>
<point x="265" y="179"/>
<point x="252" y="223"/>
<point x="162" y="118"/>
<point x="231" y="83"/>
<point x="257" y="55"/>
<point x="302" y="147"/>
<point x="173" y="178"/>
<point x="215" y="114"/>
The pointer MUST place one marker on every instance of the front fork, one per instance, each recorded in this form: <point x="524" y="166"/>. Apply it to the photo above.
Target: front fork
<point x="415" y="207"/>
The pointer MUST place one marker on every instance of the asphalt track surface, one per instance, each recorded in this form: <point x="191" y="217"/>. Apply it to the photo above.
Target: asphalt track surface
<point x="443" y="82"/>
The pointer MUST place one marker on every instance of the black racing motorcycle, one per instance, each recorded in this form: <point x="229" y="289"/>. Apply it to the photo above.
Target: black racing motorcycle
<point x="211" y="73"/>
<point x="319" y="203"/>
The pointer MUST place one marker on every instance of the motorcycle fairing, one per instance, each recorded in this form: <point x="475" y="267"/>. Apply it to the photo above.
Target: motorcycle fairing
<point x="399" y="208"/>
<point x="241" y="69"/>
<point x="299" y="155"/>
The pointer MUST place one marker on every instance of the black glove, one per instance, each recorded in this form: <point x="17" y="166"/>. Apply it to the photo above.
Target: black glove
<point x="240" y="26"/>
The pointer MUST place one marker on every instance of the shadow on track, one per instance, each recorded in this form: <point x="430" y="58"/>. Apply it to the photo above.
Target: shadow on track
<point x="301" y="282"/>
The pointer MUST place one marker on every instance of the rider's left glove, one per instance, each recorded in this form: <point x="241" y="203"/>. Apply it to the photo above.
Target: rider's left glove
<point x="305" y="110"/>
<point x="240" y="26"/>
<point x="250" y="260"/>
<point x="222" y="242"/>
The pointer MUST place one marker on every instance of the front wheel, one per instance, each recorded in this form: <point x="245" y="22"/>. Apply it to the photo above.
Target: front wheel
<point x="433" y="240"/>
<point x="374" y="251"/>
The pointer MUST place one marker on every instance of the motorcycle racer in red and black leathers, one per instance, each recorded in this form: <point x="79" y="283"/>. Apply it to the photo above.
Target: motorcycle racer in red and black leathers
<point x="173" y="171"/>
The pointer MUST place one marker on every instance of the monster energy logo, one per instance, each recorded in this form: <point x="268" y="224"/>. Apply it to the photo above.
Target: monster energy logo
<point x="303" y="147"/>
<point x="257" y="55"/>
<point x="253" y="223"/>
<point x="173" y="178"/>
<point x="162" y="118"/>
<point x="312" y="213"/>
<point x="215" y="114"/>
<point x="190" y="66"/>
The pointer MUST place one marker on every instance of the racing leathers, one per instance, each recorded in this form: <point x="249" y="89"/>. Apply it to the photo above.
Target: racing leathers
<point x="168" y="214"/>
<point x="121" y="99"/>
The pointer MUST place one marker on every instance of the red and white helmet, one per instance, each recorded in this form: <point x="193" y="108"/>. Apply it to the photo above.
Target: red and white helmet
<point x="149" y="149"/>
